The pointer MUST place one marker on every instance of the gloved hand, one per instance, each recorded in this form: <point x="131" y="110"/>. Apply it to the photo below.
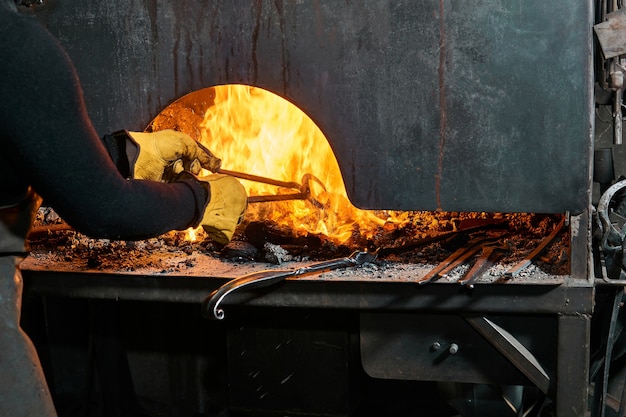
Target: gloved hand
<point x="226" y="207"/>
<point x="169" y="149"/>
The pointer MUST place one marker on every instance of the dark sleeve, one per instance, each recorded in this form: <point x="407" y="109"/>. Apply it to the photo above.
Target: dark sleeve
<point x="45" y="128"/>
<point x="122" y="150"/>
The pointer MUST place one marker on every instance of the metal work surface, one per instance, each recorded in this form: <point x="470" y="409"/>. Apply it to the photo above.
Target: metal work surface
<point x="439" y="104"/>
<point x="366" y="293"/>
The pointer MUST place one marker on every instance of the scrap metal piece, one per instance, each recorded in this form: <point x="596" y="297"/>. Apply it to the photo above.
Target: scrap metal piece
<point x="471" y="251"/>
<point x="513" y="350"/>
<point x="452" y="261"/>
<point x="457" y="257"/>
<point x="524" y="263"/>
<point x="211" y="305"/>
<point x="489" y="256"/>
<point x="612" y="34"/>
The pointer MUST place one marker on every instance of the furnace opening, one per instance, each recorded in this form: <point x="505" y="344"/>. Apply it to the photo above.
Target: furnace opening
<point x="260" y="133"/>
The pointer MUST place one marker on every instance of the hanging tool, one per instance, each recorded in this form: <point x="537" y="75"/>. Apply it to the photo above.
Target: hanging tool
<point x="211" y="305"/>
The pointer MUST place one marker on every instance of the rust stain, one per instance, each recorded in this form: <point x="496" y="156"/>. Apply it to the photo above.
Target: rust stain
<point x="255" y="41"/>
<point x="278" y="4"/>
<point x="442" y="102"/>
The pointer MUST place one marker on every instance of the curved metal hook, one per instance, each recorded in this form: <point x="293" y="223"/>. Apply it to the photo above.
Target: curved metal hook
<point x="605" y="225"/>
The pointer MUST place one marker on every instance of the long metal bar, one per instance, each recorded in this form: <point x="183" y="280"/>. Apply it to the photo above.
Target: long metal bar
<point x="523" y="264"/>
<point x="487" y="259"/>
<point x="452" y="261"/>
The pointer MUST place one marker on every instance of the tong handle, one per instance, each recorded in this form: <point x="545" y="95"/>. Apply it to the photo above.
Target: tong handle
<point x="257" y="178"/>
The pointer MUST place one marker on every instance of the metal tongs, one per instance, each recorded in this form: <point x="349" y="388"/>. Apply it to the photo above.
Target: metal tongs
<point x="304" y="188"/>
<point x="211" y="305"/>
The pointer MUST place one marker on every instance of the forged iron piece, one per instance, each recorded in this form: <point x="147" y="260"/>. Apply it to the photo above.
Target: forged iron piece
<point x="475" y="227"/>
<point x="211" y="305"/>
<point x="467" y="254"/>
<point x="489" y="256"/>
<point x="524" y="263"/>
<point x="610" y="234"/>
<point x="605" y="280"/>
<point x="455" y="259"/>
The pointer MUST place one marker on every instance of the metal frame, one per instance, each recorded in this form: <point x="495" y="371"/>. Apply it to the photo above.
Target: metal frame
<point x="571" y="304"/>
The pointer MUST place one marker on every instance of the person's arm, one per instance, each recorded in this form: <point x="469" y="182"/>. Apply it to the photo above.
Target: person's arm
<point x="45" y="128"/>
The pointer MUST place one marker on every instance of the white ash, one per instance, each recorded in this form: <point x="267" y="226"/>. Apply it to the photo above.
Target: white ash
<point x="48" y="215"/>
<point x="276" y="254"/>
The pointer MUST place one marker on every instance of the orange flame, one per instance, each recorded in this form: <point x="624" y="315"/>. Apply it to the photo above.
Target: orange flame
<point x="257" y="132"/>
<point x="190" y="235"/>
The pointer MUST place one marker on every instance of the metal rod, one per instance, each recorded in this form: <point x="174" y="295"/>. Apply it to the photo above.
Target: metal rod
<point x="277" y="197"/>
<point x="464" y="252"/>
<point x="488" y="258"/>
<point x="523" y="264"/>
<point x="264" y="180"/>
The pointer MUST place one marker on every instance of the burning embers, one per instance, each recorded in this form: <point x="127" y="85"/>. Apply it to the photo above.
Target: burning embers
<point x="423" y="247"/>
<point x="259" y="133"/>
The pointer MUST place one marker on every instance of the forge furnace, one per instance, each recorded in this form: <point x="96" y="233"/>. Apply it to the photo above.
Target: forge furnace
<point x="434" y="105"/>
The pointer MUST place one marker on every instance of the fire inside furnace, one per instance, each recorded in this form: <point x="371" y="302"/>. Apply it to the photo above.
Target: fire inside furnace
<point x="257" y="132"/>
<point x="260" y="133"/>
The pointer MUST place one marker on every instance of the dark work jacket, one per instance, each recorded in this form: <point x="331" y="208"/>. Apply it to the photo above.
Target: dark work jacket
<point x="48" y="145"/>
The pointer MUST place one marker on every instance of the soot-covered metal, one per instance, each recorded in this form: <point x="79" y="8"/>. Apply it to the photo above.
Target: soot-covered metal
<point x="466" y="107"/>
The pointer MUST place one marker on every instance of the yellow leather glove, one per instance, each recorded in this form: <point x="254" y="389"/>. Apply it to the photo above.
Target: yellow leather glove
<point x="169" y="150"/>
<point x="226" y="207"/>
